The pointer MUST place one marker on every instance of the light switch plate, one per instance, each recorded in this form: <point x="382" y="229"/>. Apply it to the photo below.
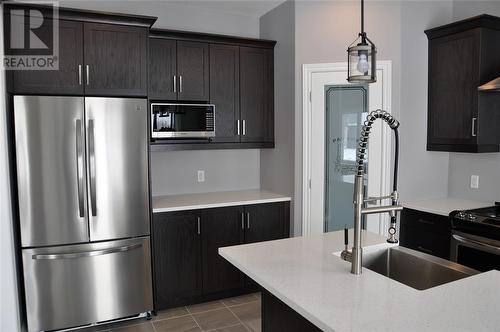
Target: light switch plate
<point x="201" y="176"/>
<point x="474" y="181"/>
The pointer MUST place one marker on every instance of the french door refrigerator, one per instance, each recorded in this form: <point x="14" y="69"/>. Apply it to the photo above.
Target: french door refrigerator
<point x="82" y="170"/>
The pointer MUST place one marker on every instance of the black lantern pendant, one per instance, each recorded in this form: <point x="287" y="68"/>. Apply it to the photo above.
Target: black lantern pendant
<point x="361" y="57"/>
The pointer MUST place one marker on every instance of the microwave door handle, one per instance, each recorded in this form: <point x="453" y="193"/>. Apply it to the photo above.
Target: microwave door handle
<point x="477" y="245"/>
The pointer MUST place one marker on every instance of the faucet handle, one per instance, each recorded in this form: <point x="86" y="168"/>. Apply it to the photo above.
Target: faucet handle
<point x="346" y="254"/>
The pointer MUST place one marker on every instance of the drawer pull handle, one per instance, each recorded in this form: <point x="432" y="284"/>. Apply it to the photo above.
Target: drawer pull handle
<point x="87" y="253"/>
<point x="425" y="250"/>
<point x="423" y="221"/>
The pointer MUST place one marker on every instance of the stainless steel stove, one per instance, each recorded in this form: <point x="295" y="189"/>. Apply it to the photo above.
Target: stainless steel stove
<point x="475" y="238"/>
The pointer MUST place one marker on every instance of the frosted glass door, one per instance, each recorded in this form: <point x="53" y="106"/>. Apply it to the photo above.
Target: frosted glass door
<point x="346" y="109"/>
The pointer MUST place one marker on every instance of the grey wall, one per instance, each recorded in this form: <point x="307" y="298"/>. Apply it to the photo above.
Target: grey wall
<point x="463" y="165"/>
<point x="9" y="310"/>
<point x="486" y="165"/>
<point x="179" y="15"/>
<point x="464" y="9"/>
<point x="324" y="29"/>
<point x="175" y="172"/>
<point x="423" y="174"/>
<point x="277" y="165"/>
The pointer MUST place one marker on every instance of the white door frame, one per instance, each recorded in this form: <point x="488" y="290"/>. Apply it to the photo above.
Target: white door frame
<point x="382" y="185"/>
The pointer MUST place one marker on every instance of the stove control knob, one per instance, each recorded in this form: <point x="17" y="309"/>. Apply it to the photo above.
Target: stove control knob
<point x="471" y="216"/>
<point x="461" y="215"/>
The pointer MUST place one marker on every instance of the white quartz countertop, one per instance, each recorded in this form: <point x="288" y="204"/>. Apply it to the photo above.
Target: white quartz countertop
<point x="443" y="206"/>
<point x="303" y="273"/>
<point x="215" y="199"/>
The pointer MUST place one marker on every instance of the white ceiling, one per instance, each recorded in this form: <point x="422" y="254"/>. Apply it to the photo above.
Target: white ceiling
<point x="255" y="8"/>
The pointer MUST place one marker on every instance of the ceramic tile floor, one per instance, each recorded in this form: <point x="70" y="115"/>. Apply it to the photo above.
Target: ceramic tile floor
<point x="236" y="314"/>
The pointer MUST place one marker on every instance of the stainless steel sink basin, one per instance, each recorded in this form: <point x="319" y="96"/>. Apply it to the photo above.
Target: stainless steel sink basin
<point x="413" y="268"/>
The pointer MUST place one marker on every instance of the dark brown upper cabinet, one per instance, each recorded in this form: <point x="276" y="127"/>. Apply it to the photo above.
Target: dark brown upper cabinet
<point x="101" y="54"/>
<point x="115" y="60"/>
<point x="179" y="70"/>
<point x="235" y="74"/>
<point x="67" y="80"/>
<point x="192" y="71"/>
<point x="256" y="94"/>
<point x="462" y="56"/>
<point x="225" y="91"/>
<point x="162" y="69"/>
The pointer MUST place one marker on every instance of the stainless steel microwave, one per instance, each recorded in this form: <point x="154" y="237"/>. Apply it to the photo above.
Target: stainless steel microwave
<point x="170" y="120"/>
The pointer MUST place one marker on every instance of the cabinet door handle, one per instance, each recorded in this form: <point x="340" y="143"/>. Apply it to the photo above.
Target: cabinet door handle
<point x="79" y="74"/>
<point x="474" y="132"/>
<point x="238" y="127"/>
<point x="175" y="83"/>
<point x="248" y="220"/>
<point x="244" y="127"/>
<point x="242" y="220"/>
<point x="180" y="83"/>
<point x="199" y="226"/>
<point x="87" y="69"/>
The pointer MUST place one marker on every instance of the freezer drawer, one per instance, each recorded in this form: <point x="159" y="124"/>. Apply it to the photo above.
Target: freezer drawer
<point x="75" y="285"/>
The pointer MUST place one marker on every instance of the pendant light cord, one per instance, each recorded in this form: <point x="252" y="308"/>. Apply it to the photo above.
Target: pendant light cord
<point x="363" y="17"/>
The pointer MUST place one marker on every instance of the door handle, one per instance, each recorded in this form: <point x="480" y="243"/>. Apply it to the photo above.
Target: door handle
<point x="87" y="253"/>
<point x="476" y="244"/>
<point x="238" y="127"/>
<point x="244" y="127"/>
<point x="79" y="167"/>
<point x="180" y="83"/>
<point x="175" y="83"/>
<point x="87" y="69"/>
<point x="199" y="225"/>
<point x="242" y="220"/>
<point x="79" y="74"/>
<point x="92" y="168"/>
<point x="248" y="220"/>
<point x="474" y="131"/>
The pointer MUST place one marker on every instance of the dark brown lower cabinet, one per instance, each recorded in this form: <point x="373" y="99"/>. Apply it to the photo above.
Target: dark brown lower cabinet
<point x="265" y="222"/>
<point x="177" y="258"/>
<point x="221" y="227"/>
<point x="187" y="266"/>
<point x="277" y="316"/>
<point x="426" y="232"/>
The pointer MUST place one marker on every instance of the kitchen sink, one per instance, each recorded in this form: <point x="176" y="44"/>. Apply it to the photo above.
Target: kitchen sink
<point x="412" y="268"/>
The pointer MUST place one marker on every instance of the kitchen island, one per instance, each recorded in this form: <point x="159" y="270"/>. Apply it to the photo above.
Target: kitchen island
<point x="310" y="280"/>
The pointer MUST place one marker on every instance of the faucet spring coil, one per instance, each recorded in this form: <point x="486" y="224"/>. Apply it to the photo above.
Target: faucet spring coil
<point x="365" y="133"/>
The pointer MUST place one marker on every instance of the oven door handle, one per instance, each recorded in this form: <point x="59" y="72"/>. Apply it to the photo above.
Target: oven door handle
<point x="477" y="245"/>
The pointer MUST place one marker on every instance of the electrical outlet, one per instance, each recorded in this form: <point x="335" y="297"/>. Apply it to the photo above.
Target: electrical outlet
<point x="201" y="176"/>
<point x="474" y="181"/>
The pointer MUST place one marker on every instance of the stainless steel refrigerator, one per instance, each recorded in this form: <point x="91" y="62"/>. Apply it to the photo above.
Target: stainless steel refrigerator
<point x="82" y="171"/>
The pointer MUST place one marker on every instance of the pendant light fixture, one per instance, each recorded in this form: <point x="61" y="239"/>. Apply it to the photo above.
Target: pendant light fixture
<point x="361" y="56"/>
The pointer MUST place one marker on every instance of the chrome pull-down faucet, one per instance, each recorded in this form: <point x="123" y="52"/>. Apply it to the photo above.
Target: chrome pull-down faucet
<point x="356" y="254"/>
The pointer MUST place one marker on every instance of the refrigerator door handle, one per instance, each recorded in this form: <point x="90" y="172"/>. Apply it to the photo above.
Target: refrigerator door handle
<point x="87" y="253"/>
<point x="79" y="167"/>
<point x="92" y="168"/>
